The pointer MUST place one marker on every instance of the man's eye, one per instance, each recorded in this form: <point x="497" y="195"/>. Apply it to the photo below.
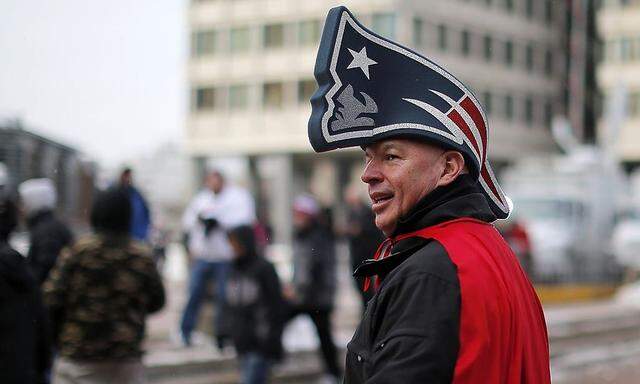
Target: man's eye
<point x="390" y="157"/>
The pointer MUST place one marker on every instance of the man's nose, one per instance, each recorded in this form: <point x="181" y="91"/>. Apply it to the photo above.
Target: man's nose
<point x="371" y="173"/>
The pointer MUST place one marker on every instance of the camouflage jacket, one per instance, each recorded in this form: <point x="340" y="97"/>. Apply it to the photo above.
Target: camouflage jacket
<point x="98" y="296"/>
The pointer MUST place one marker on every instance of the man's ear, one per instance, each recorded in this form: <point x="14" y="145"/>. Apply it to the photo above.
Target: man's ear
<point x="453" y="166"/>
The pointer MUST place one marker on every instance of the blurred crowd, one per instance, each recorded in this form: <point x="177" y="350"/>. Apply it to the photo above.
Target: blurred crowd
<point x="74" y="307"/>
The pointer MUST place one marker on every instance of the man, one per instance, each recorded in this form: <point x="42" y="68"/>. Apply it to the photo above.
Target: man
<point x="364" y="237"/>
<point x="25" y="353"/>
<point x="314" y="277"/>
<point x="214" y="210"/>
<point x="452" y="304"/>
<point x="99" y="295"/>
<point x="47" y="234"/>
<point x="140" y="215"/>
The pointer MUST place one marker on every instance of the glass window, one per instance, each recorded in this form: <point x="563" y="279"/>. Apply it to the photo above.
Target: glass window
<point x="528" y="110"/>
<point x="384" y="24"/>
<point x="487" y="102"/>
<point x="238" y="97"/>
<point x="548" y="62"/>
<point x="442" y="37"/>
<point x="548" y="11"/>
<point x="273" y="36"/>
<point x="508" y="107"/>
<point x="203" y="43"/>
<point x="548" y="114"/>
<point x="488" y="47"/>
<point x="465" y="43"/>
<point x="528" y="57"/>
<point x="508" y="5"/>
<point x="625" y="49"/>
<point x="417" y="31"/>
<point x="528" y="9"/>
<point x="205" y="98"/>
<point x="272" y="95"/>
<point x="309" y="32"/>
<point x="239" y="39"/>
<point x="306" y="89"/>
<point x="508" y="52"/>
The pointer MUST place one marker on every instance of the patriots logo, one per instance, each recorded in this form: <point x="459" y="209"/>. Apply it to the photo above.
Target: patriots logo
<point x="371" y="88"/>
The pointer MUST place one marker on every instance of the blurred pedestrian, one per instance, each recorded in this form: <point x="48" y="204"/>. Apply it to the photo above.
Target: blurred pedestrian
<point x="219" y="207"/>
<point x="451" y="303"/>
<point x="314" y="277"/>
<point x="99" y="295"/>
<point x="25" y="352"/>
<point x="254" y="305"/>
<point x="48" y="235"/>
<point x="140" y="215"/>
<point x="363" y="235"/>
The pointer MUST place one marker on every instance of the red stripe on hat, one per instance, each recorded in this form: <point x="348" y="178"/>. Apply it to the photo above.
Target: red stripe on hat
<point x="478" y="119"/>
<point x="459" y="121"/>
<point x="484" y="173"/>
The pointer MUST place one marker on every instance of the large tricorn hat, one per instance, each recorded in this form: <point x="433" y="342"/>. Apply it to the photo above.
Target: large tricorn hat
<point x="371" y="88"/>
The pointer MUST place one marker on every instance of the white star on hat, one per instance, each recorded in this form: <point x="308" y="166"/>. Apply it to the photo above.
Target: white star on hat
<point x="360" y="60"/>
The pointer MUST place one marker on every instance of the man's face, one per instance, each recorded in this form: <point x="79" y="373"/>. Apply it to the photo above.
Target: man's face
<point x="214" y="182"/>
<point x="399" y="173"/>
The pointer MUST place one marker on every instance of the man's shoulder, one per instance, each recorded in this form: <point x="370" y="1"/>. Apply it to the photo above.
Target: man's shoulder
<point x="428" y="258"/>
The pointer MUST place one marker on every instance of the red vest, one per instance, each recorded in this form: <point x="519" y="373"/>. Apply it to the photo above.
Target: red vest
<point x="503" y="335"/>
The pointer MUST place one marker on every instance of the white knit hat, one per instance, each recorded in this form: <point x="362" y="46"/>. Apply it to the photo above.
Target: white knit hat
<point x="37" y="194"/>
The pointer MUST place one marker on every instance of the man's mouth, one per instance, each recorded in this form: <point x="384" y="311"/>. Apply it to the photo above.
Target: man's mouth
<point x="379" y="200"/>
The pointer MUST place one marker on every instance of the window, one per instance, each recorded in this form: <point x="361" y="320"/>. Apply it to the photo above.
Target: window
<point x="528" y="9"/>
<point x="238" y="97"/>
<point x="508" y="53"/>
<point x="548" y="62"/>
<point x="626" y="51"/>
<point x="548" y="11"/>
<point x="508" y="5"/>
<point x="384" y="24"/>
<point x="205" y="98"/>
<point x="239" y="39"/>
<point x="528" y="110"/>
<point x="442" y="37"/>
<point x="417" y="32"/>
<point x="465" y="43"/>
<point x="548" y="114"/>
<point x="309" y="32"/>
<point x="508" y="107"/>
<point x="528" y="57"/>
<point x="272" y="95"/>
<point x="487" y="102"/>
<point x="273" y="36"/>
<point x="203" y="43"/>
<point x="488" y="47"/>
<point x="306" y="89"/>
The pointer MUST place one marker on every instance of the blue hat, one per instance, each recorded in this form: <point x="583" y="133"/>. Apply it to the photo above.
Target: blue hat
<point x="371" y="88"/>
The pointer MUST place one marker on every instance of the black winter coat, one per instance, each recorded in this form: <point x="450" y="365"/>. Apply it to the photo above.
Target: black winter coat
<point x="24" y="338"/>
<point x="47" y="236"/>
<point x="410" y="328"/>
<point x="253" y="316"/>
<point x="314" y="268"/>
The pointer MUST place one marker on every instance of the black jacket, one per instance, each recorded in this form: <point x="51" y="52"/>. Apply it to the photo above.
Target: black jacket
<point x="254" y="304"/>
<point x="48" y="235"/>
<point x="410" y="327"/>
<point x="314" y="268"/>
<point x="24" y="337"/>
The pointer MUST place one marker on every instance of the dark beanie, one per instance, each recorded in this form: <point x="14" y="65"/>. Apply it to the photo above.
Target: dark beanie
<point x="8" y="217"/>
<point x="111" y="211"/>
<point x="244" y="234"/>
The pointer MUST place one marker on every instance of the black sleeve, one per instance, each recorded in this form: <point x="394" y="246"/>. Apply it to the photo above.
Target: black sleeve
<point x="417" y="338"/>
<point x="155" y="287"/>
<point x="274" y="304"/>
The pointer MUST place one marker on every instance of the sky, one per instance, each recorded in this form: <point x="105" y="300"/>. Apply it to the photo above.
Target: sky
<point x="106" y="77"/>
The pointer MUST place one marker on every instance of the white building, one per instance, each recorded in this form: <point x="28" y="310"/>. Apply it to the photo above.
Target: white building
<point x="619" y="76"/>
<point x="251" y="77"/>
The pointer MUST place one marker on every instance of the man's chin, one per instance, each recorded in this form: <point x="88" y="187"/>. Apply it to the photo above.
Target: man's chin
<point x="386" y="226"/>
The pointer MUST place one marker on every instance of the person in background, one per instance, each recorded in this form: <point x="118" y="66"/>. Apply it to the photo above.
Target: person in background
<point x="99" y="295"/>
<point x="253" y="307"/>
<point x="140" y="215"/>
<point x="25" y="353"/>
<point x="219" y="207"/>
<point x="363" y="235"/>
<point x="314" y="277"/>
<point x="48" y="235"/>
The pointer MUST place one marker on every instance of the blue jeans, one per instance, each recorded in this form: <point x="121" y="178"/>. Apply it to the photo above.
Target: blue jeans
<point x="255" y="368"/>
<point x="201" y="273"/>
